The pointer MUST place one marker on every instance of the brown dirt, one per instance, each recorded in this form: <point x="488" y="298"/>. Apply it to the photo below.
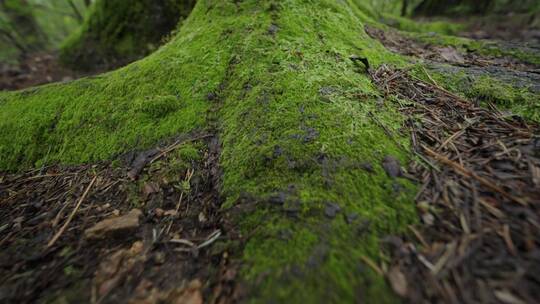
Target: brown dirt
<point x="401" y="44"/>
<point x="35" y="69"/>
<point x="479" y="204"/>
<point x="179" y="252"/>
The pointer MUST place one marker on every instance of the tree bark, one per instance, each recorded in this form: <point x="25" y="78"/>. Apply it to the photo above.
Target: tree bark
<point x="436" y="7"/>
<point x="404" y="8"/>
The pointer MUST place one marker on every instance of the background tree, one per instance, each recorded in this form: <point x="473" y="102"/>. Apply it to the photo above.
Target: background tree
<point x="120" y="31"/>
<point x="20" y="25"/>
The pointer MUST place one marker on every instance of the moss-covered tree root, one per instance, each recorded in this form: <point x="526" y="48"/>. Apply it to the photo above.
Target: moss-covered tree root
<point x="299" y="122"/>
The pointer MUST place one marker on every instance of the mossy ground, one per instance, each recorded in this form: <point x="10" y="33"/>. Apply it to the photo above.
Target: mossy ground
<point x="297" y="119"/>
<point x="511" y="88"/>
<point x="96" y="118"/>
<point x="482" y="47"/>
<point x="518" y="100"/>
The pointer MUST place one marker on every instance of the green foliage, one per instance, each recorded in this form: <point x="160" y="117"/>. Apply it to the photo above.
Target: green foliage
<point x="46" y="24"/>
<point x="408" y="25"/>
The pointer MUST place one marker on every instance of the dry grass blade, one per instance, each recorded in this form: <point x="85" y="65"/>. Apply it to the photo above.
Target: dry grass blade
<point x="70" y="218"/>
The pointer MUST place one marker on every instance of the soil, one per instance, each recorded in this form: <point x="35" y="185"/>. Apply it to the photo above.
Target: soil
<point x="449" y="60"/>
<point x="479" y="202"/>
<point x="35" y="69"/>
<point x="178" y="252"/>
<point x="477" y="241"/>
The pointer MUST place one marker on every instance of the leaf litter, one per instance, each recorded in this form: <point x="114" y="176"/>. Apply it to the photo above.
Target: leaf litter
<point x="96" y="234"/>
<point x="479" y="200"/>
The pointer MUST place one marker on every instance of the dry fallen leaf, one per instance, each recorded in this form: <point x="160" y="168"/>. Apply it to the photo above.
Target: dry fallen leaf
<point x="450" y="54"/>
<point x="398" y="281"/>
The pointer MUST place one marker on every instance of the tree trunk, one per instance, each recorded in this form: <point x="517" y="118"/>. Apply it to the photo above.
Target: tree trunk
<point x="404" y="8"/>
<point x="281" y="84"/>
<point x="120" y="31"/>
<point x="437" y="7"/>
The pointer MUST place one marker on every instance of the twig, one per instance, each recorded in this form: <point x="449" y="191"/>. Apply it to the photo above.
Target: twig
<point x="70" y="218"/>
<point x="209" y="240"/>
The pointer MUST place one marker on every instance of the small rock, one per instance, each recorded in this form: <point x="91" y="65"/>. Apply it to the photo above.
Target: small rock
<point x="202" y="217"/>
<point x="278" y="198"/>
<point x="351" y="217"/>
<point x="159" y="212"/>
<point x="392" y="167"/>
<point x="327" y="91"/>
<point x="116" y="212"/>
<point x="331" y="210"/>
<point x="428" y="219"/>
<point x="114" y="226"/>
<point x="211" y="96"/>
<point x="397" y="281"/>
<point x="273" y="29"/>
<point x="367" y="167"/>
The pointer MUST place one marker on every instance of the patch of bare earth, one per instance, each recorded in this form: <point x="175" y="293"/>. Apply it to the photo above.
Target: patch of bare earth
<point x="35" y="69"/>
<point x="401" y="44"/>
<point x="149" y="231"/>
<point x="479" y="200"/>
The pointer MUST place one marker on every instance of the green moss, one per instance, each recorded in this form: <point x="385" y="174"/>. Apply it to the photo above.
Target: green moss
<point x="96" y="118"/>
<point x="520" y="101"/>
<point x="297" y="119"/>
<point x="296" y="124"/>
<point x="517" y="99"/>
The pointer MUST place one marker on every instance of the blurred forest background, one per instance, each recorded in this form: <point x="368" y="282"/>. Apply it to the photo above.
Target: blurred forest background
<point x="28" y="26"/>
<point x="34" y="33"/>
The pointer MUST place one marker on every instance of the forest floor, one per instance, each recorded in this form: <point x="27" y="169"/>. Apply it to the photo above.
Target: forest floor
<point x="35" y="69"/>
<point x="478" y="168"/>
<point x="158" y="248"/>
